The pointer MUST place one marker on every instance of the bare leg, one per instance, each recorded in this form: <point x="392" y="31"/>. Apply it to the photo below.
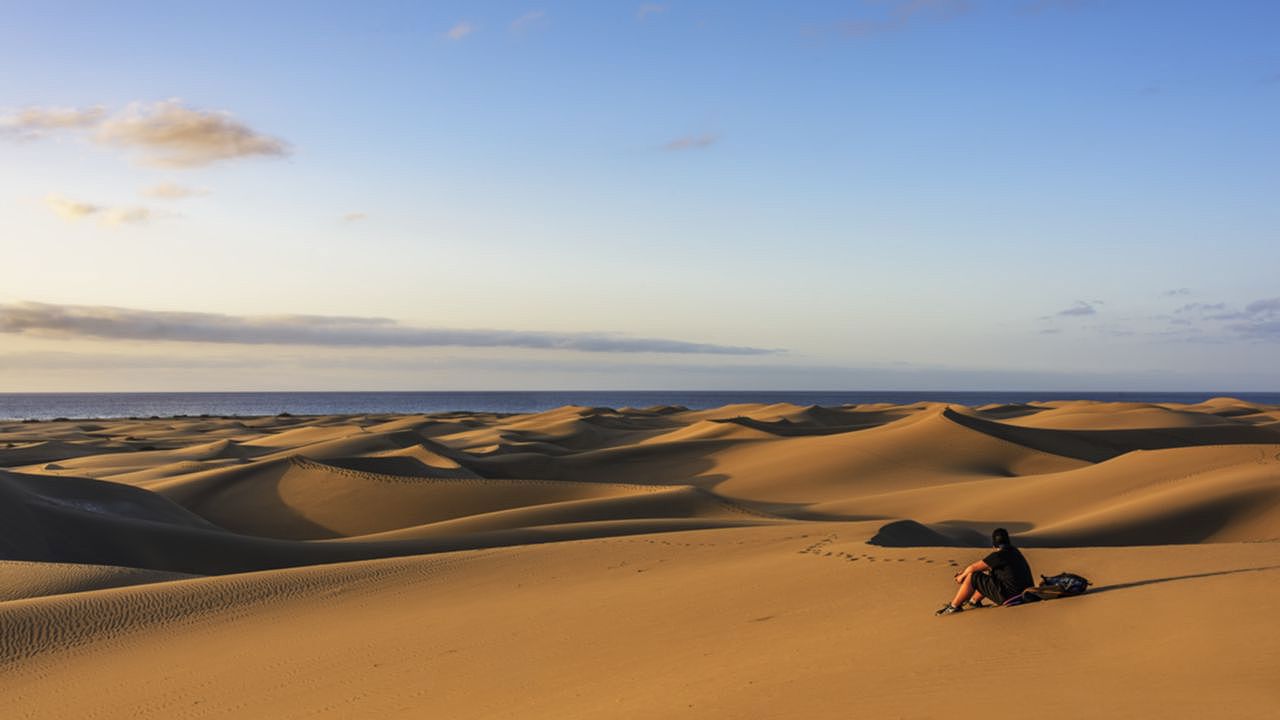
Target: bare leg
<point x="965" y="591"/>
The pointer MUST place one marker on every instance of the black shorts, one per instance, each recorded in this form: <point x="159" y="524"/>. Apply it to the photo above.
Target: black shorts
<point x="989" y="587"/>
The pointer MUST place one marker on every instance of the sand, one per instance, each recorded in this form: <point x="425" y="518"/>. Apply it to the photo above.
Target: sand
<point x="752" y="561"/>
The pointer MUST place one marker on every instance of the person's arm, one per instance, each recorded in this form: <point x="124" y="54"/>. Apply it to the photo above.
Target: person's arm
<point x="980" y="566"/>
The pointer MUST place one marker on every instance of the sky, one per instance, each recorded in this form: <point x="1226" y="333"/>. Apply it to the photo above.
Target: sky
<point x="829" y="195"/>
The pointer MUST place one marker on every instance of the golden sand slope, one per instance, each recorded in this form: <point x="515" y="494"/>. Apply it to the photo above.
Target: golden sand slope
<point x="748" y="561"/>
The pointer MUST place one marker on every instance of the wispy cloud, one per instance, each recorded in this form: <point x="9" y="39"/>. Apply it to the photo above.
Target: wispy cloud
<point x="170" y="134"/>
<point x="1194" y="322"/>
<point x="69" y="209"/>
<point x="647" y="9"/>
<point x="529" y="20"/>
<point x="898" y="14"/>
<point x="1201" y="308"/>
<point x="354" y="217"/>
<point x="1079" y="309"/>
<point x="692" y="142"/>
<point x="83" y="321"/>
<point x="173" y="191"/>
<point x="460" y="30"/>
<point x="75" y="210"/>
<point x="167" y="133"/>
<point x="1260" y="320"/>
<point x="126" y="216"/>
<point x="34" y="122"/>
<point x="1269" y="307"/>
<point x="1176" y="292"/>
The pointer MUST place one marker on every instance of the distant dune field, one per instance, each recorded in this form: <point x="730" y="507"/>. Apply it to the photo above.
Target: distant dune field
<point x="751" y="561"/>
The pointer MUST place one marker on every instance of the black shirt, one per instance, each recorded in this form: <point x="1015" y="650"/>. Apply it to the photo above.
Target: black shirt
<point x="1010" y="569"/>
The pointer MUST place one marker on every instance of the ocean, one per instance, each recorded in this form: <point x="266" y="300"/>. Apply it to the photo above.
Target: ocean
<point x="47" y="406"/>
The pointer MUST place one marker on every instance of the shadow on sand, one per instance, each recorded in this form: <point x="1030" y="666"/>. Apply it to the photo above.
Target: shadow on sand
<point x="1156" y="581"/>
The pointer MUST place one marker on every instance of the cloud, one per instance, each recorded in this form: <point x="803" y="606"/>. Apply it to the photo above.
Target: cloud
<point x="899" y="14"/>
<point x="647" y="9"/>
<point x="1197" y="307"/>
<point x="1176" y="292"/>
<point x="102" y="322"/>
<point x="36" y="122"/>
<point x="1080" y="308"/>
<point x="354" y="217"/>
<point x="692" y="142"/>
<point x="1263" y="308"/>
<point x="172" y="191"/>
<point x="75" y="210"/>
<point x="170" y="134"/>
<point x="1259" y="320"/>
<point x="126" y="216"/>
<point x="1267" y="330"/>
<point x="529" y="20"/>
<point x="1210" y="311"/>
<point x="70" y="209"/>
<point x="461" y="30"/>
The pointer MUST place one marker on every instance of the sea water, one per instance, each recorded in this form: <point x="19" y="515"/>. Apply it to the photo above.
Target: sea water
<point x="47" y="406"/>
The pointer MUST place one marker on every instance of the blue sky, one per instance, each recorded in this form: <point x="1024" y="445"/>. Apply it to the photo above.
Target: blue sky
<point x="907" y="194"/>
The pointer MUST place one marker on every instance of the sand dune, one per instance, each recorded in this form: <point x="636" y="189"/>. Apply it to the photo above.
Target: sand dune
<point x="745" y="561"/>
<point x="36" y="579"/>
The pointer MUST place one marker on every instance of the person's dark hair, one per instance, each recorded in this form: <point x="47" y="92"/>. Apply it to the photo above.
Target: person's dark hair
<point x="1000" y="538"/>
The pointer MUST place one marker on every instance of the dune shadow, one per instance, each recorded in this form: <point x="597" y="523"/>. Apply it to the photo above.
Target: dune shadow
<point x="1174" y="578"/>
<point x="948" y="533"/>
<point x="909" y="533"/>
<point x="1101" y="445"/>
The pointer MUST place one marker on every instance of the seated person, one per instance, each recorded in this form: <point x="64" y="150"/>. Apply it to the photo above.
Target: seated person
<point x="1002" y="575"/>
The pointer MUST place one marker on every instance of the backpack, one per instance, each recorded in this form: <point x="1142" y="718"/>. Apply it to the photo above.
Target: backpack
<point x="1060" y="585"/>
<point x="1050" y="588"/>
